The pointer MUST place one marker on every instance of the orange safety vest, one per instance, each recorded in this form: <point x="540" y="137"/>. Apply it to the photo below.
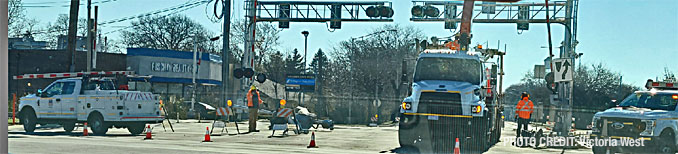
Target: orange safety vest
<point x="249" y="98"/>
<point x="524" y="111"/>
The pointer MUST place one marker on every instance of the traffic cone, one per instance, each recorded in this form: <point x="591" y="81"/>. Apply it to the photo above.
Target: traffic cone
<point x="84" y="131"/>
<point x="456" y="147"/>
<point x="207" y="135"/>
<point x="148" y="133"/>
<point x="312" y="144"/>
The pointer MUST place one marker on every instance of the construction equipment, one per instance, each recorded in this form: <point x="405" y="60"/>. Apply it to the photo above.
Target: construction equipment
<point x="451" y="98"/>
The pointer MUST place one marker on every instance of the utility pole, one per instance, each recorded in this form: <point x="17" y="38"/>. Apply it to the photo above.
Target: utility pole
<point x="94" y="52"/>
<point x="567" y="53"/>
<point x="72" y="30"/>
<point x="226" y="51"/>
<point x="89" y="35"/>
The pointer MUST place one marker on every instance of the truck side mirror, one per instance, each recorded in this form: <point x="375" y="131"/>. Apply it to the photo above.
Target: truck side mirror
<point x="39" y="93"/>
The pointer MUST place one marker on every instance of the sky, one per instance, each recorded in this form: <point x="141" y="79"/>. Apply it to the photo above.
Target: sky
<point x="636" y="38"/>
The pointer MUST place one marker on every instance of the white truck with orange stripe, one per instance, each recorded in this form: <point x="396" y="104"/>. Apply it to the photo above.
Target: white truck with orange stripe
<point x="646" y="120"/>
<point x="92" y="100"/>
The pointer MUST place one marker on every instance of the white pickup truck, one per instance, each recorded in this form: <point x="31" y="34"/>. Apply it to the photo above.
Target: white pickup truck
<point x="92" y="100"/>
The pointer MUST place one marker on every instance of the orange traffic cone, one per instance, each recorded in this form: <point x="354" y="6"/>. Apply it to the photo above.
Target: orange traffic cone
<point x="148" y="133"/>
<point x="84" y="131"/>
<point x="456" y="147"/>
<point x="207" y="135"/>
<point x="312" y="144"/>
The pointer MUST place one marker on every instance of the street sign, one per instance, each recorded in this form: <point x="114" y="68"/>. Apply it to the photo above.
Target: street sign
<point x="300" y="83"/>
<point x="563" y="70"/>
<point x="539" y="71"/>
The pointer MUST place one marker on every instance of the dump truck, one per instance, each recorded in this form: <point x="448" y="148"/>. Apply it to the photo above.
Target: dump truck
<point x="452" y="97"/>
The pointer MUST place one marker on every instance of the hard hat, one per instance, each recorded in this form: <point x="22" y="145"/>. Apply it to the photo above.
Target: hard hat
<point x="253" y="87"/>
<point x="229" y="103"/>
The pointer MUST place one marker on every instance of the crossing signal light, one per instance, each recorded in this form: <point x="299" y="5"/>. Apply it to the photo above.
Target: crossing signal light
<point x="425" y="11"/>
<point x="431" y="11"/>
<point x="417" y="11"/>
<point x="385" y="12"/>
<point x="248" y="72"/>
<point x="261" y="77"/>
<point x="372" y="12"/>
<point x="379" y="11"/>
<point x="238" y="73"/>
<point x="243" y="72"/>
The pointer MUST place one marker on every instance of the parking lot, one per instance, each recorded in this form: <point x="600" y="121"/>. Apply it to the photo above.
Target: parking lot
<point x="189" y="134"/>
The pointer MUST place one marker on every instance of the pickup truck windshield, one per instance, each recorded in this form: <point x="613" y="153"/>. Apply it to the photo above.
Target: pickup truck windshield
<point x="450" y="69"/>
<point x="654" y="102"/>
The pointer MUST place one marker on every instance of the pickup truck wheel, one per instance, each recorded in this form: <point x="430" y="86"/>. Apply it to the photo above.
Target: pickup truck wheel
<point x="666" y="142"/>
<point x="68" y="126"/>
<point x="97" y="124"/>
<point x="136" y="128"/>
<point x="29" y="120"/>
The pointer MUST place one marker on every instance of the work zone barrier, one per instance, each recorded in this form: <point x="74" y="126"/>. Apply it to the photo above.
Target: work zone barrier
<point x="282" y="118"/>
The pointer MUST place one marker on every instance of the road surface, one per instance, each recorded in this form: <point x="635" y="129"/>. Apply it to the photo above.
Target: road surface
<point x="189" y="134"/>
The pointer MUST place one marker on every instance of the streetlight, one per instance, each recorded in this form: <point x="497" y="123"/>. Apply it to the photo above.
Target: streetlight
<point x="305" y="47"/>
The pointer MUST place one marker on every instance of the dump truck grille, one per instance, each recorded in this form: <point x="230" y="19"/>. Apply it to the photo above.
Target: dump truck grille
<point x="444" y="130"/>
<point x="440" y="103"/>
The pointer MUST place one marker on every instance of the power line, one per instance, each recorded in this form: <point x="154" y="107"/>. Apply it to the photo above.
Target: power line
<point x="44" y="4"/>
<point x="172" y="13"/>
<point x="185" y="5"/>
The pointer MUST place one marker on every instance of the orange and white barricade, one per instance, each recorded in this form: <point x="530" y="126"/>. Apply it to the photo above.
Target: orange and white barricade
<point x="221" y="111"/>
<point x="281" y="119"/>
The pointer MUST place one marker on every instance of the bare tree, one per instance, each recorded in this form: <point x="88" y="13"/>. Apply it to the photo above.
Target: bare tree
<point x="60" y="28"/>
<point x="176" y="32"/>
<point x="14" y="14"/>
<point x="14" y="11"/>
<point x="267" y="39"/>
<point x="367" y="68"/>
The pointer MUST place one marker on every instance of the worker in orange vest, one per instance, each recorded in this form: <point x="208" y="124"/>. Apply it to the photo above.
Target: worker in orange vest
<point x="253" y="107"/>
<point x="523" y="111"/>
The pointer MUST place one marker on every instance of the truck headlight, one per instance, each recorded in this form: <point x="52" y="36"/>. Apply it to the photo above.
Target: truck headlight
<point x="407" y="105"/>
<point x="476" y="109"/>
<point x="594" y="124"/>
<point x="649" y="126"/>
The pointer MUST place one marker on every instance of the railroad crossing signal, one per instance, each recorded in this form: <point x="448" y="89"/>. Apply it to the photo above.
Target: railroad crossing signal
<point x="563" y="70"/>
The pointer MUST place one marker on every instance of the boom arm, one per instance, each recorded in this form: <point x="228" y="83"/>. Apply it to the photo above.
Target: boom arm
<point x="464" y="36"/>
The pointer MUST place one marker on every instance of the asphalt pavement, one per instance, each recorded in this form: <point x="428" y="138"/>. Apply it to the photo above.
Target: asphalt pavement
<point x="188" y="134"/>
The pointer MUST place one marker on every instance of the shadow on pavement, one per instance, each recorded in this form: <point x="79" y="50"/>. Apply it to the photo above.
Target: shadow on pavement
<point x="62" y="133"/>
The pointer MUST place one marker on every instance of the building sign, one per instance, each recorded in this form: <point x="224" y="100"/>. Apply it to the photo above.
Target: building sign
<point x="171" y="67"/>
<point x="300" y="83"/>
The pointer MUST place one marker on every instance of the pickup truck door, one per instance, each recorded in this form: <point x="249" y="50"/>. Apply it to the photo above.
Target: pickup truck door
<point x="68" y="100"/>
<point x="47" y="104"/>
